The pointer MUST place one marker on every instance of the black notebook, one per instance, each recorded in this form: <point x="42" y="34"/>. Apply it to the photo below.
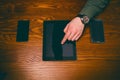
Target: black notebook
<point x="97" y="31"/>
<point x="52" y="47"/>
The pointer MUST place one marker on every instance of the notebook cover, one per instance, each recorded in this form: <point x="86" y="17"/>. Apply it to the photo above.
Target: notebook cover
<point x="97" y="31"/>
<point x="52" y="47"/>
<point x="22" y="30"/>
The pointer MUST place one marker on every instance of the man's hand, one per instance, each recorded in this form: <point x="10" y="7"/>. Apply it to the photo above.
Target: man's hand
<point x="73" y="30"/>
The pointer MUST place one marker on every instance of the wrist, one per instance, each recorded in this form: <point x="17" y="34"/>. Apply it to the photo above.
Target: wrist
<point x="79" y="20"/>
<point x="84" y="19"/>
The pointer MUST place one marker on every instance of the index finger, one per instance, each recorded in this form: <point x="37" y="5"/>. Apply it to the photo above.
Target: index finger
<point x="65" y="38"/>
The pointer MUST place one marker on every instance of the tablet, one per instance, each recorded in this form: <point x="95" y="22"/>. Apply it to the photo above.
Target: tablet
<point x="52" y="37"/>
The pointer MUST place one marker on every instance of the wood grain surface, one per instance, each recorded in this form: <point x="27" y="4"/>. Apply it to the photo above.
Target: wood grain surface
<point x="23" y="60"/>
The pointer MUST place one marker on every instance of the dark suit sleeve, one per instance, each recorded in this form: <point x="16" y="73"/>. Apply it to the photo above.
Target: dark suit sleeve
<point x="94" y="7"/>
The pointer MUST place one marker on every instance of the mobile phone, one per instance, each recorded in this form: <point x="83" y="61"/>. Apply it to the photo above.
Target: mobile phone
<point x="22" y="30"/>
<point x="97" y="31"/>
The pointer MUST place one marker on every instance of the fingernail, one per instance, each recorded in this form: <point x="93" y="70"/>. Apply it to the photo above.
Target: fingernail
<point x="61" y="42"/>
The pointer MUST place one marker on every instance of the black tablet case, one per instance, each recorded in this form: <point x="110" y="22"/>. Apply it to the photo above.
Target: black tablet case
<point x="52" y="47"/>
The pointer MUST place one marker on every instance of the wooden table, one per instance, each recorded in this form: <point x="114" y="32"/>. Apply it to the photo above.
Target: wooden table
<point x="23" y="60"/>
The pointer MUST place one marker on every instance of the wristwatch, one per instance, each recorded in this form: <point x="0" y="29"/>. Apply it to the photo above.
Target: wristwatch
<point x="84" y="18"/>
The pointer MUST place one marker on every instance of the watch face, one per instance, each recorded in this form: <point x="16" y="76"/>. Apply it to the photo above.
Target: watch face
<point x="85" y="19"/>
